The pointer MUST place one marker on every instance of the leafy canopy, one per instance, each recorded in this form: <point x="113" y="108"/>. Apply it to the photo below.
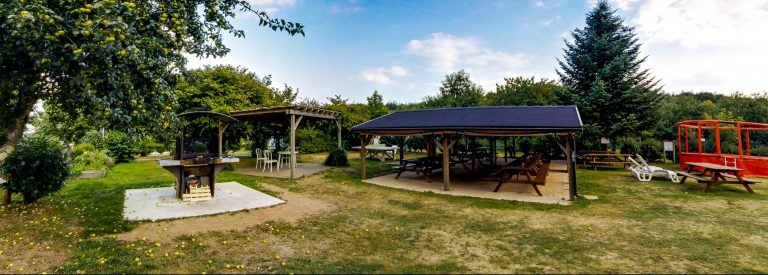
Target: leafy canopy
<point x="457" y="90"/>
<point x="525" y="91"/>
<point x="112" y="61"/>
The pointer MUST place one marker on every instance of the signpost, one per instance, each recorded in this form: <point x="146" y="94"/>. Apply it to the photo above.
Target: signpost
<point x="669" y="146"/>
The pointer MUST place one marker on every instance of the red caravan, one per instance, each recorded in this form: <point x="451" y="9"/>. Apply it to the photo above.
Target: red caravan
<point x="695" y="140"/>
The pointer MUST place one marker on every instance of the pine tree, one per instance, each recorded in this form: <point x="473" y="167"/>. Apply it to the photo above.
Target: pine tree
<point x="602" y="72"/>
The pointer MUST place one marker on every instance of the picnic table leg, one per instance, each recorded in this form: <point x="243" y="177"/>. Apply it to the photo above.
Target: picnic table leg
<point x="502" y="180"/>
<point x="746" y="185"/>
<point x="708" y="188"/>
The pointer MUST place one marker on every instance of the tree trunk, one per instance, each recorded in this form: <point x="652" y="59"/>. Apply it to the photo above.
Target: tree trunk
<point x="16" y="128"/>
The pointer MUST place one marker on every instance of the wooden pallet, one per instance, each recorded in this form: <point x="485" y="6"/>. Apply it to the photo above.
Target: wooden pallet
<point x="197" y="194"/>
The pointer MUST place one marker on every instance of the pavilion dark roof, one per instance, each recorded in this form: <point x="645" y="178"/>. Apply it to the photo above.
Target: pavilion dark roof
<point x="529" y="119"/>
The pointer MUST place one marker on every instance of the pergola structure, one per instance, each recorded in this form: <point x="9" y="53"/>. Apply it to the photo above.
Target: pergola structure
<point x="559" y="123"/>
<point x="691" y="144"/>
<point x="294" y="114"/>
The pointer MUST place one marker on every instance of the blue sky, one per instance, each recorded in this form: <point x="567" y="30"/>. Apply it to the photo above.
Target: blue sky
<point x="404" y="49"/>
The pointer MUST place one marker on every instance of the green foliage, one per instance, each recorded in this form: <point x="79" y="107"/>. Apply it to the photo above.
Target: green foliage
<point x="37" y="166"/>
<point x="524" y="91"/>
<point x="120" y="147"/>
<point x="602" y="71"/>
<point x="651" y="150"/>
<point x="96" y="138"/>
<point x="312" y="140"/>
<point x="134" y="52"/>
<point x="92" y="160"/>
<point x="337" y="158"/>
<point x="457" y="90"/>
<point x="376" y="107"/>
<point x="82" y="148"/>
<point x="759" y="151"/>
<point x="629" y="145"/>
<point x="147" y="144"/>
<point x="351" y="114"/>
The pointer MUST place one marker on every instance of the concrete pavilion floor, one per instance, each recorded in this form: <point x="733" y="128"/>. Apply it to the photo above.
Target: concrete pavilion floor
<point x="555" y="190"/>
<point x="302" y="169"/>
<point x="161" y="203"/>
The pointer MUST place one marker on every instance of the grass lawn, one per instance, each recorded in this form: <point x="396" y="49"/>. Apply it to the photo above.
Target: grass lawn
<point x="633" y="227"/>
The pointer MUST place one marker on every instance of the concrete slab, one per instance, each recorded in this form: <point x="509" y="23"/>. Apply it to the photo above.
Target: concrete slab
<point x="160" y="203"/>
<point x="302" y="169"/>
<point x="555" y="191"/>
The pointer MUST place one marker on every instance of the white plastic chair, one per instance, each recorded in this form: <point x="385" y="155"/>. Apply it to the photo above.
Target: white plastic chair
<point x="259" y="157"/>
<point x="268" y="160"/>
<point x="644" y="172"/>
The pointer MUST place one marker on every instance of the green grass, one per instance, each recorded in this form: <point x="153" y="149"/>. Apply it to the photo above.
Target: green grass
<point x="633" y="227"/>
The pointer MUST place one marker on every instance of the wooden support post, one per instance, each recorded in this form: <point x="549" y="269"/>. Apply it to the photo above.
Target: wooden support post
<point x="717" y="139"/>
<point x="220" y="131"/>
<point x="402" y="148"/>
<point x="338" y="129"/>
<point x="294" y="124"/>
<point x="679" y="144"/>
<point x="505" y="149"/>
<point x="698" y="136"/>
<point x="738" y="137"/>
<point x="446" y="164"/>
<point x="570" y="152"/>
<point x="748" y="149"/>
<point x="474" y="155"/>
<point x="363" y="143"/>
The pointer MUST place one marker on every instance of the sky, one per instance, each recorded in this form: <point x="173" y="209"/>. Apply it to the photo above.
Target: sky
<point x="404" y="49"/>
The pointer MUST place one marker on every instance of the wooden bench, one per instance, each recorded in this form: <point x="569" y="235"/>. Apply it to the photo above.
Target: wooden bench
<point x="746" y="180"/>
<point x="541" y="178"/>
<point x="685" y="175"/>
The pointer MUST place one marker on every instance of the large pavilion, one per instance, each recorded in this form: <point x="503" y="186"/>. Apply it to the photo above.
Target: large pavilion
<point x="443" y="127"/>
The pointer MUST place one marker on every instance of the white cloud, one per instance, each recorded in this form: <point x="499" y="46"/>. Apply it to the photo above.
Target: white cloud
<point x="539" y="4"/>
<point x="445" y="53"/>
<point x="383" y="75"/>
<point x="703" y="45"/>
<point x="271" y="6"/>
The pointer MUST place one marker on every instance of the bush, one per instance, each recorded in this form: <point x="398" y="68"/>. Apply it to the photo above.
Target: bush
<point x="36" y="167"/>
<point x="337" y="158"/>
<point x="95" y="138"/>
<point x="148" y="145"/>
<point x="629" y="145"/>
<point x="651" y="150"/>
<point x="82" y="148"/>
<point x="311" y="140"/>
<point x="92" y="160"/>
<point x="120" y="147"/>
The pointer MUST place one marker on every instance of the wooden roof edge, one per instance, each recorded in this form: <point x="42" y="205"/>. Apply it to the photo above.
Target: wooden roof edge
<point x="290" y="109"/>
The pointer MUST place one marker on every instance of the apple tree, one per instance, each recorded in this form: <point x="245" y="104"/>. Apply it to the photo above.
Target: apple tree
<point x="112" y="61"/>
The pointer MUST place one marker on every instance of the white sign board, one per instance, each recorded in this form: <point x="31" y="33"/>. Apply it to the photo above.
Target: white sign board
<point x="669" y="146"/>
<point x="604" y="140"/>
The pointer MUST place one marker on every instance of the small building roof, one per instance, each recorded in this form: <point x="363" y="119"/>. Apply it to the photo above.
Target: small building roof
<point x="486" y="120"/>
<point x="274" y="113"/>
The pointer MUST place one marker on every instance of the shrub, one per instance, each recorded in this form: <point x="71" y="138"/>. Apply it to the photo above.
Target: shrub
<point x="311" y="140"/>
<point x="96" y="139"/>
<point x="36" y="167"/>
<point x="82" y="148"/>
<point x="148" y="145"/>
<point x="337" y="158"/>
<point x="629" y="145"/>
<point x="120" y="147"/>
<point x="92" y="160"/>
<point x="651" y="150"/>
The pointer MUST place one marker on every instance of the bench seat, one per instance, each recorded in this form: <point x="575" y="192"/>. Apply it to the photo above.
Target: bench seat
<point x="693" y="176"/>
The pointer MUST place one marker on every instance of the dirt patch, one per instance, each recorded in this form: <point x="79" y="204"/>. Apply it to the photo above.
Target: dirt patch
<point x="296" y="208"/>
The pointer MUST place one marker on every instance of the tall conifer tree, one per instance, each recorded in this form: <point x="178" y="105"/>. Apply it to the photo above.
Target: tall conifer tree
<point x="602" y="71"/>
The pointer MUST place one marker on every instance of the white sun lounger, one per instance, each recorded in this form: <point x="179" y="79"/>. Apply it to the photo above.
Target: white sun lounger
<point x="644" y="172"/>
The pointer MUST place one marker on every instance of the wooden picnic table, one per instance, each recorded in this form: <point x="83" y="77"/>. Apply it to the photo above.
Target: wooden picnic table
<point x="606" y="158"/>
<point x="381" y="153"/>
<point x="715" y="174"/>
